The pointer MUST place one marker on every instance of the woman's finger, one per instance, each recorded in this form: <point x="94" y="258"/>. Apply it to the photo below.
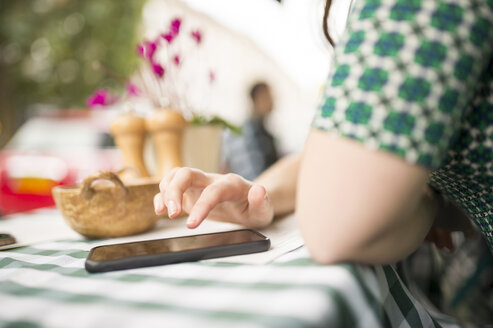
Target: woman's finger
<point x="184" y="178"/>
<point x="173" y="193"/>
<point x="159" y="205"/>
<point x="260" y="210"/>
<point x="165" y="181"/>
<point x="211" y="196"/>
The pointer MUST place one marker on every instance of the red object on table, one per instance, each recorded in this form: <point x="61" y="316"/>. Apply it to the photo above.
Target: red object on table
<point x="54" y="147"/>
<point x="26" y="179"/>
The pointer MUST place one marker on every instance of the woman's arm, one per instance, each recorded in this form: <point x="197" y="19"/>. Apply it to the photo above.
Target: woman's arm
<point x="355" y="204"/>
<point x="280" y="181"/>
<point x="229" y="197"/>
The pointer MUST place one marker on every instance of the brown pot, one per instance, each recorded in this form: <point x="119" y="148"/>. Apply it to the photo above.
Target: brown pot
<point x="202" y="147"/>
<point x="109" y="208"/>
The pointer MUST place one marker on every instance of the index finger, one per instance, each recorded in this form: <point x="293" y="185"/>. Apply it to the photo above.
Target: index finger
<point x="214" y="194"/>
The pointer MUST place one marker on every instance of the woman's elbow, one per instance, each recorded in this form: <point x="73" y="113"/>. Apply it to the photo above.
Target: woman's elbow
<point x="328" y="246"/>
<point x="349" y="239"/>
<point x="325" y="251"/>
<point x="339" y="243"/>
<point x="326" y="256"/>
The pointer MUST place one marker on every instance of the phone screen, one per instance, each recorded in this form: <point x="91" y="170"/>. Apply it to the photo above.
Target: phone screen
<point x="170" y="245"/>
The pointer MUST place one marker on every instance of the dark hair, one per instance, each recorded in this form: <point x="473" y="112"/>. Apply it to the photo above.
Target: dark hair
<point x="325" y="28"/>
<point x="256" y="88"/>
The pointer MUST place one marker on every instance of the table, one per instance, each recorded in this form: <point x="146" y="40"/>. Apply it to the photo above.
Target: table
<point x="46" y="285"/>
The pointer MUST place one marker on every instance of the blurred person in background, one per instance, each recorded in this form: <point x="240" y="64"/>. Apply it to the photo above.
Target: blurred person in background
<point x="252" y="152"/>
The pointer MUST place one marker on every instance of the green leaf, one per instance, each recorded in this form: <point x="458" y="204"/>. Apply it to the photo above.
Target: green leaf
<point x="215" y="120"/>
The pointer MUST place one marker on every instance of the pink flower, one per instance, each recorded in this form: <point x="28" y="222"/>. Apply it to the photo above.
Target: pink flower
<point x="151" y="48"/>
<point x="168" y="37"/>
<point x="212" y="77"/>
<point x="197" y="36"/>
<point x="175" y="26"/>
<point x="177" y="60"/>
<point x="100" y="98"/>
<point x="174" y="29"/>
<point x="147" y="49"/>
<point x="133" y="90"/>
<point x="158" y="69"/>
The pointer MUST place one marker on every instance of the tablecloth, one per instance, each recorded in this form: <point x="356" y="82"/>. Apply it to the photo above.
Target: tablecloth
<point x="46" y="285"/>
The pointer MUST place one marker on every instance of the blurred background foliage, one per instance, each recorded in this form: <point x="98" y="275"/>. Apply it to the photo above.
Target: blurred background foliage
<point x="57" y="52"/>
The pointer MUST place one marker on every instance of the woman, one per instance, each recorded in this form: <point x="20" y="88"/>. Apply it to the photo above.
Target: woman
<point x="403" y="132"/>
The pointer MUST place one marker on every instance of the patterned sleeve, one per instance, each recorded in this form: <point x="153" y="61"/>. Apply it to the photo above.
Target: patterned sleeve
<point x="404" y="72"/>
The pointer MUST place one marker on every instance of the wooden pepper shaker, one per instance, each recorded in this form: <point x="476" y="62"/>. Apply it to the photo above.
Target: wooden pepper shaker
<point x="166" y="127"/>
<point x="129" y="132"/>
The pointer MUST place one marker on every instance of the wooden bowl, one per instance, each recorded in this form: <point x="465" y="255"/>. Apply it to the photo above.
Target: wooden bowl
<point x="104" y="207"/>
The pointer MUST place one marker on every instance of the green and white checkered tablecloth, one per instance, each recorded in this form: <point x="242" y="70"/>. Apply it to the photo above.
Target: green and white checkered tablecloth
<point x="46" y="285"/>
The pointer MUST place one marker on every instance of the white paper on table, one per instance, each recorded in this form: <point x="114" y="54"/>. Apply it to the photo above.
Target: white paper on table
<point x="284" y="237"/>
<point x="48" y="225"/>
<point x="36" y="227"/>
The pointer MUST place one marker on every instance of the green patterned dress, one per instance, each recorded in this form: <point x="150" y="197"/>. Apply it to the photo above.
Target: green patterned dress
<point x="415" y="78"/>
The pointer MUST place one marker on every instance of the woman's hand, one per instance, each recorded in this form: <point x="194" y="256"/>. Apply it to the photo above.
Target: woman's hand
<point x="228" y="198"/>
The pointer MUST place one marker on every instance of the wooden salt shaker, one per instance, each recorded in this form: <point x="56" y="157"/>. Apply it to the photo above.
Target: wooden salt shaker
<point x="129" y="132"/>
<point x="166" y="127"/>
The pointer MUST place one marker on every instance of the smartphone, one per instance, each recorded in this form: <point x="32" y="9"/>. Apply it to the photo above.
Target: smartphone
<point x="175" y="250"/>
<point x="6" y="239"/>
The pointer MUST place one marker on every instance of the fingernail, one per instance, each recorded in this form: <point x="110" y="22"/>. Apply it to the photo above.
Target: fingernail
<point x="158" y="205"/>
<point x="171" y="207"/>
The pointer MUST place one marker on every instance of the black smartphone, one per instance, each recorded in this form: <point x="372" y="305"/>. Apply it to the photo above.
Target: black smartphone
<point x="6" y="239"/>
<point x="175" y="250"/>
